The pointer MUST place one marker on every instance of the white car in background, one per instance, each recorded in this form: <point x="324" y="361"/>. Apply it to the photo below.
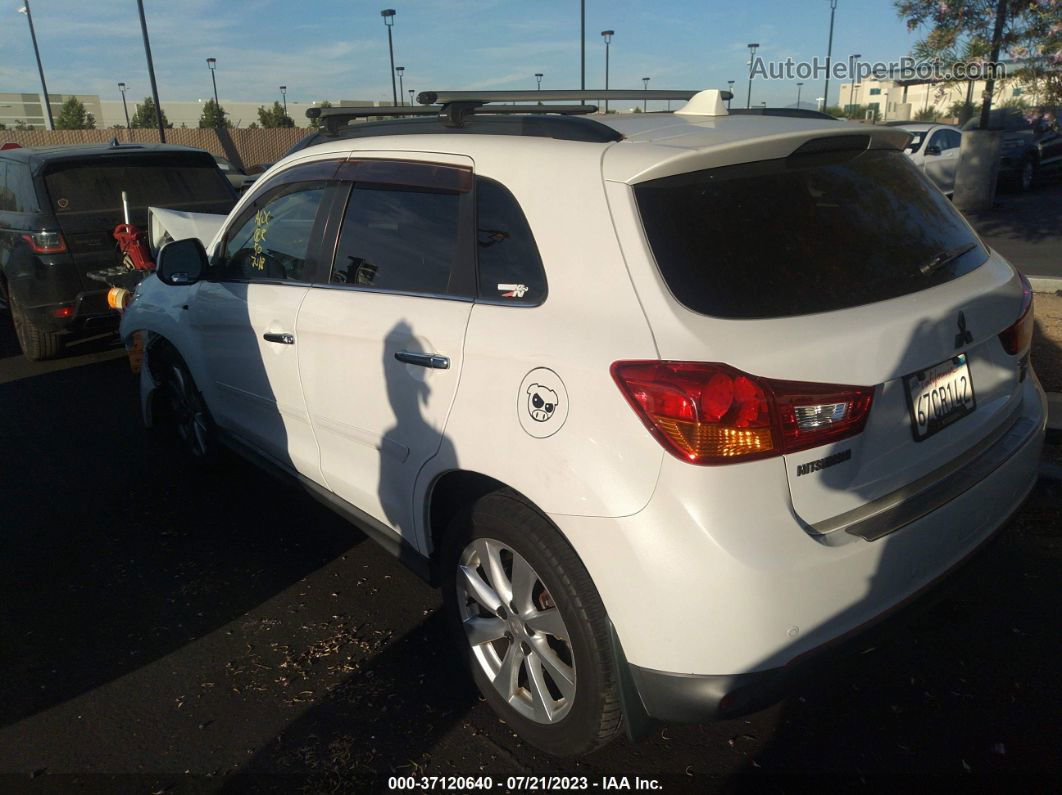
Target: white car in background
<point x="934" y="148"/>
<point x="667" y="403"/>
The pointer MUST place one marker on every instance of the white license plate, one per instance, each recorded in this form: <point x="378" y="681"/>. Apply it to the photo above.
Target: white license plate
<point x="939" y="396"/>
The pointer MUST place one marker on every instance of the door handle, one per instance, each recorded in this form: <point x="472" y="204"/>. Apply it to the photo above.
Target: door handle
<point x="282" y="338"/>
<point x="434" y="360"/>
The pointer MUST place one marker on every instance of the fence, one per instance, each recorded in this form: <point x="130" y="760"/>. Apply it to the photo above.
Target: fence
<point x="243" y="147"/>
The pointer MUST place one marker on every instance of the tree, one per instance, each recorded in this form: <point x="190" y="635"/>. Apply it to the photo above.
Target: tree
<point x="274" y="117"/>
<point x="213" y="116"/>
<point x="316" y="123"/>
<point x="72" y="116"/>
<point x="21" y="126"/>
<point x="145" y="117"/>
<point x="927" y="114"/>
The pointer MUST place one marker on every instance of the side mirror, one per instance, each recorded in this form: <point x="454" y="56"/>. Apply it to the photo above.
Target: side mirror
<point x="932" y="150"/>
<point x="181" y="262"/>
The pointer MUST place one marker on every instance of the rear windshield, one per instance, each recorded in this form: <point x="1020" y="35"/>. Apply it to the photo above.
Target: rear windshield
<point x="95" y="186"/>
<point x="811" y="233"/>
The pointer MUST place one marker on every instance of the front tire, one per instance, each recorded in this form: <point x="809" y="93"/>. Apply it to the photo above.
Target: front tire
<point x="1026" y="175"/>
<point x="180" y="414"/>
<point x="531" y="626"/>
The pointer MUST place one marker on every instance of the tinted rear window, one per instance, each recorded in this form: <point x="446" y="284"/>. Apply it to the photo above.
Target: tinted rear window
<point x="95" y="185"/>
<point x="812" y="233"/>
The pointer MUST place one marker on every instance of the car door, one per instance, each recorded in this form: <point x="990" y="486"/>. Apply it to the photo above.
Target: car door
<point x="244" y="314"/>
<point x="942" y="158"/>
<point x="381" y="339"/>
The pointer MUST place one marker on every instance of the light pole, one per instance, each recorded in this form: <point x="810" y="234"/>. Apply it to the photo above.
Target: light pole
<point x="388" y="15"/>
<point x="730" y="84"/>
<point x="645" y="86"/>
<point x="829" y="54"/>
<point x="212" y="64"/>
<point x="401" y="87"/>
<point x="800" y="87"/>
<point x="538" y="77"/>
<point x="851" y="92"/>
<point x="284" y="97"/>
<point x="411" y="97"/>
<point x="582" y="45"/>
<point x="33" y="35"/>
<point x="607" y="36"/>
<point x="151" y="72"/>
<point x="752" y="58"/>
<point x="121" y="87"/>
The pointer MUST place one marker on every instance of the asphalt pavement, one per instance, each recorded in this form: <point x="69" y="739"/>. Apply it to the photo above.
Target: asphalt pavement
<point x="1026" y="228"/>
<point x="173" y="628"/>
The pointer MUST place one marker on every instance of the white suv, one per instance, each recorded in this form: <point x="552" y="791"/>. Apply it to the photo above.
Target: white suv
<point x="665" y="402"/>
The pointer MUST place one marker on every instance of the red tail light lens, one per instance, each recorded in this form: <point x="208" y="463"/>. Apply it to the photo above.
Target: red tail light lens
<point x="45" y="242"/>
<point x="708" y="413"/>
<point x="1018" y="338"/>
<point x="63" y="311"/>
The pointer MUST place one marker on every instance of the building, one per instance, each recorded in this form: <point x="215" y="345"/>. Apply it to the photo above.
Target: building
<point x="903" y="100"/>
<point x="29" y="109"/>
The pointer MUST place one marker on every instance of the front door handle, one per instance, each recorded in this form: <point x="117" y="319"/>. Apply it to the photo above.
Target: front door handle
<point x="434" y="360"/>
<point x="282" y="338"/>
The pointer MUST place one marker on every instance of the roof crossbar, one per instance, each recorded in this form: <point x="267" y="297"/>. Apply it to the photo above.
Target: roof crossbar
<point x="452" y="114"/>
<point x="563" y="95"/>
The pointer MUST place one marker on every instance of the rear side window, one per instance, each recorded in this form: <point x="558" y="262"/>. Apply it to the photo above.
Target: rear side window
<point x="7" y="196"/>
<point x="16" y="188"/>
<point x="93" y="186"/>
<point x="811" y="233"/>
<point x="399" y="239"/>
<point x="510" y="269"/>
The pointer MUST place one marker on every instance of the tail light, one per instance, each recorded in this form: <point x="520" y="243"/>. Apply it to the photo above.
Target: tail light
<point x="63" y="311"/>
<point x="715" y="414"/>
<point x="1019" y="336"/>
<point x="45" y="242"/>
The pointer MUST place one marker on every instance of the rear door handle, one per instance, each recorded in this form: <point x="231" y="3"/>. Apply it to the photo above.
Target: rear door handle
<point x="434" y="360"/>
<point x="282" y="338"/>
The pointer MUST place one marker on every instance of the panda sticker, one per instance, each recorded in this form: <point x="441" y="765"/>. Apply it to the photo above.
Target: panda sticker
<point x="542" y="406"/>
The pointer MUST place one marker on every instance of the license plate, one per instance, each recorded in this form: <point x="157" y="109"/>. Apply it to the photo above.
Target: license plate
<point x="939" y="396"/>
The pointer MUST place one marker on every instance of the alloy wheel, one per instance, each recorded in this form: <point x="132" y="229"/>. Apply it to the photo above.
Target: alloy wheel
<point x="516" y="632"/>
<point x="189" y="416"/>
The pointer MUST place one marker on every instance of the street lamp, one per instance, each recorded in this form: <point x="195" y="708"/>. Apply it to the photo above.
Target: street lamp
<point x="212" y="64"/>
<point x="538" y="77"/>
<point x="284" y="96"/>
<point x="730" y="87"/>
<point x="645" y="86"/>
<point x="607" y="36"/>
<point x="411" y="97"/>
<point x="829" y="54"/>
<point x="151" y="71"/>
<point x="33" y="35"/>
<point x="401" y="89"/>
<point x="800" y="87"/>
<point x="388" y="15"/>
<point x="121" y="87"/>
<point x="851" y="92"/>
<point x="752" y="58"/>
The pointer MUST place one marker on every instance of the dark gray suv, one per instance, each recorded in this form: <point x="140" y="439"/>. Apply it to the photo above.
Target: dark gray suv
<point x="58" y="210"/>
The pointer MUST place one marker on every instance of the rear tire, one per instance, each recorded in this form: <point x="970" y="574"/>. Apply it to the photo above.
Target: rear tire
<point x="1026" y="175"/>
<point x="531" y="626"/>
<point x="37" y="344"/>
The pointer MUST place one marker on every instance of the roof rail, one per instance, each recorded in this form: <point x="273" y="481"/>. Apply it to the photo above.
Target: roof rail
<point x="799" y="113"/>
<point x="563" y="95"/>
<point x="452" y="114"/>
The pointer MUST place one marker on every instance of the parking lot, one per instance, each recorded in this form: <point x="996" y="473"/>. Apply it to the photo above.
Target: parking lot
<point x="165" y="627"/>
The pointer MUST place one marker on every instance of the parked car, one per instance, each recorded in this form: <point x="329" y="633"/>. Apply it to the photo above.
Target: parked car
<point x="1029" y="149"/>
<point x="666" y="403"/>
<point x="934" y="149"/>
<point x="58" y="210"/>
<point x="239" y="179"/>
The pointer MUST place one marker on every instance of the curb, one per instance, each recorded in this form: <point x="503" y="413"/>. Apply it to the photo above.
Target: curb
<point x="1045" y="284"/>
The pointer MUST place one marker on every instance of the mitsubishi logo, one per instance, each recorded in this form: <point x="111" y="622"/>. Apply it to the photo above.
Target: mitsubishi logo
<point x="964" y="337"/>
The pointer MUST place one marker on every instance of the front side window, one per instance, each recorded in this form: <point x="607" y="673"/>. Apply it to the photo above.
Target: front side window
<point x="510" y="269"/>
<point x="399" y="239"/>
<point x="271" y="240"/>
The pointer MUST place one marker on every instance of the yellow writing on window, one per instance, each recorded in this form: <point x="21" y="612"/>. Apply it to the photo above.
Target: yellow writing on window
<point x="261" y="226"/>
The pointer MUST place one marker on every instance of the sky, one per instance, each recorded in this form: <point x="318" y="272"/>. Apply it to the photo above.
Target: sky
<point x="337" y="49"/>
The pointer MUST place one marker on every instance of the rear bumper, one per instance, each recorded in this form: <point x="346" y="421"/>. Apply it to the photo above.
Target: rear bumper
<point x="90" y="312"/>
<point x="735" y="598"/>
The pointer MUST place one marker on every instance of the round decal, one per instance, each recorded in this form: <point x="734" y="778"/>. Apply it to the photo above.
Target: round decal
<point x="63" y="203"/>
<point x="542" y="404"/>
